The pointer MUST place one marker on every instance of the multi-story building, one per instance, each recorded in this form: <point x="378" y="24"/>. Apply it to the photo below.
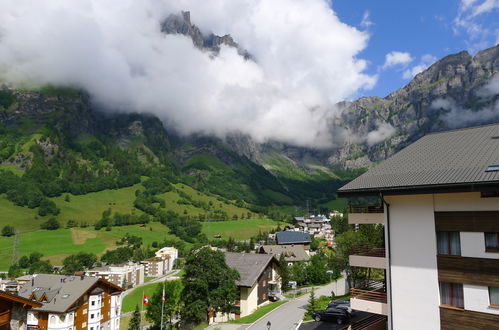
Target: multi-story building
<point x="169" y="253"/>
<point x="156" y="266"/>
<point x="126" y="275"/>
<point x="72" y="302"/>
<point x="13" y="310"/>
<point x="440" y="209"/>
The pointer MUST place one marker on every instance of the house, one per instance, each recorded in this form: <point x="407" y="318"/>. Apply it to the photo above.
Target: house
<point x="257" y="284"/>
<point x="72" y="302"/>
<point x="156" y="266"/>
<point x="440" y="209"/>
<point x="169" y="253"/>
<point x="292" y="253"/>
<point x="293" y="237"/>
<point x="13" y="310"/>
<point x="126" y="275"/>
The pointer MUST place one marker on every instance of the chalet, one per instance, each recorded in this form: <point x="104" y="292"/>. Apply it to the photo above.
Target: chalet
<point x="440" y="210"/>
<point x="292" y="253"/>
<point x="13" y="310"/>
<point x="258" y="282"/>
<point x="72" y="302"/>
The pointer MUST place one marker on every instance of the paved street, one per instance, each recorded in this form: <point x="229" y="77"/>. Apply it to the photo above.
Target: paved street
<point x="289" y="315"/>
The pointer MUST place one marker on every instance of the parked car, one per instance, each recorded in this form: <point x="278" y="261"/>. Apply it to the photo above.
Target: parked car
<point x="337" y="315"/>
<point x="342" y="304"/>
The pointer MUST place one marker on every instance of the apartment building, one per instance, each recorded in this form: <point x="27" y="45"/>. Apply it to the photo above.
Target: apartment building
<point x="169" y="253"/>
<point x="440" y="208"/>
<point x="156" y="266"/>
<point x="126" y="275"/>
<point x="72" y="302"/>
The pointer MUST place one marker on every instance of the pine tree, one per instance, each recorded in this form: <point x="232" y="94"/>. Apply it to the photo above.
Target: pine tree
<point x="312" y="303"/>
<point x="135" y="320"/>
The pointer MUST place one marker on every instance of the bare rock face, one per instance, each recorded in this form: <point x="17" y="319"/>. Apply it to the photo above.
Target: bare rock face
<point x="181" y="24"/>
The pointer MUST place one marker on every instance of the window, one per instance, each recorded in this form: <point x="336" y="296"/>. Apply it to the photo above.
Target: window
<point x="52" y="319"/>
<point x="449" y="243"/>
<point x="492" y="242"/>
<point x="93" y="303"/>
<point x="494" y="296"/>
<point x="451" y="294"/>
<point x="92" y="316"/>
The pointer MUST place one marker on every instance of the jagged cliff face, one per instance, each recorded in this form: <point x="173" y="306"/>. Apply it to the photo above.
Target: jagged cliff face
<point x="449" y="94"/>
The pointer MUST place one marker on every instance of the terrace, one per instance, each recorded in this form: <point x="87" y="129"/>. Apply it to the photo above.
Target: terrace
<point x="371" y="298"/>
<point x="368" y="256"/>
<point x="365" y="214"/>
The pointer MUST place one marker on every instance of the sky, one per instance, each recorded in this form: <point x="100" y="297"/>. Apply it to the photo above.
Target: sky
<point x="306" y="56"/>
<point x="424" y="30"/>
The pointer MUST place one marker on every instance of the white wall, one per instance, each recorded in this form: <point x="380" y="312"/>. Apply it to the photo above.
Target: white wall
<point x="473" y="245"/>
<point x="249" y="300"/>
<point x="476" y="298"/>
<point x="415" y="293"/>
<point x="465" y="202"/>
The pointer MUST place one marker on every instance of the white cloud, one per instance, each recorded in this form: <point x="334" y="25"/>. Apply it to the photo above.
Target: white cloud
<point x="457" y="116"/>
<point x="305" y="61"/>
<point x="469" y="21"/>
<point x="366" y="20"/>
<point x="382" y="132"/>
<point x="397" y="58"/>
<point x="425" y="62"/>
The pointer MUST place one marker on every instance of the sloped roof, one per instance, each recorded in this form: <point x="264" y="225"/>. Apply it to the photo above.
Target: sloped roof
<point x="18" y="299"/>
<point x="455" y="161"/>
<point x="290" y="252"/>
<point x="292" y="237"/>
<point x="61" y="291"/>
<point x="249" y="265"/>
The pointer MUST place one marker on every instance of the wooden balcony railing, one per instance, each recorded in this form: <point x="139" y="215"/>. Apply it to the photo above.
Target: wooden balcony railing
<point x="368" y="251"/>
<point x="4" y="317"/>
<point x="360" y="208"/>
<point x="375" y="292"/>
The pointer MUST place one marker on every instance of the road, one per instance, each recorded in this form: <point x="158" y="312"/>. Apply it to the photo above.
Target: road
<point x="285" y="317"/>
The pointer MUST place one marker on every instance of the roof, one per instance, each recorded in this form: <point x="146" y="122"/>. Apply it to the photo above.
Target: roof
<point x="18" y="299"/>
<point x="290" y="252"/>
<point x="292" y="237"/>
<point x="441" y="162"/>
<point x="249" y="265"/>
<point x="61" y="291"/>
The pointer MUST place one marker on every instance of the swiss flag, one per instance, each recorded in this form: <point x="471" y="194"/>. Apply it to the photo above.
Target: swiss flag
<point x="145" y="301"/>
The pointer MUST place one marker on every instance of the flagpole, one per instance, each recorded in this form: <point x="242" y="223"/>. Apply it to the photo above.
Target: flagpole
<point x="162" y="306"/>
<point x="141" y="308"/>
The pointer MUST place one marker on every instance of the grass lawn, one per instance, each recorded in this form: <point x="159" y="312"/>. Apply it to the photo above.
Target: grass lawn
<point x="260" y="312"/>
<point x="124" y="321"/>
<point x="238" y="229"/>
<point x="201" y="326"/>
<point x="148" y="278"/>
<point x="135" y="297"/>
<point x="22" y="218"/>
<point x="172" y="197"/>
<point x="69" y="241"/>
<point x="89" y="207"/>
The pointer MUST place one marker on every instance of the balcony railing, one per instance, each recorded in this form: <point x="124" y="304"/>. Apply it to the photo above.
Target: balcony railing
<point x="4" y="317"/>
<point x="361" y="208"/>
<point x="375" y="292"/>
<point x="368" y="251"/>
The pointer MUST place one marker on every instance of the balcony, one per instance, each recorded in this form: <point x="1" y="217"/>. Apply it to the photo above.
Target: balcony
<point x="368" y="256"/>
<point x="4" y="318"/>
<point x="371" y="299"/>
<point x="366" y="214"/>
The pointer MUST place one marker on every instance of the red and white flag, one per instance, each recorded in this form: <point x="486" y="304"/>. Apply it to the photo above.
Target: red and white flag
<point x="145" y="301"/>
<point x="163" y="297"/>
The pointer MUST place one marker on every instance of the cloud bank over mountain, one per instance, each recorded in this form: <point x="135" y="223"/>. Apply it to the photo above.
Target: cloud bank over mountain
<point x="304" y="60"/>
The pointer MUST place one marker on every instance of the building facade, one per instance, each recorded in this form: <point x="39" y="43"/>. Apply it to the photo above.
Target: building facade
<point x="156" y="266"/>
<point x="126" y="275"/>
<point x="441" y="215"/>
<point x="72" y="302"/>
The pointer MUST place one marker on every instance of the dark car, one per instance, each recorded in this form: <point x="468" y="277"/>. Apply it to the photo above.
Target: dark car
<point x="337" y="315"/>
<point x="342" y="304"/>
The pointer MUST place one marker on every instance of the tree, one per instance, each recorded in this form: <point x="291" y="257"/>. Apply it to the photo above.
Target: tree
<point x="283" y="273"/>
<point x="24" y="262"/>
<point x="173" y="298"/>
<point x="34" y="257"/>
<point x="209" y="285"/>
<point x="78" y="262"/>
<point x="8" y="231"/>
<point x="312" y="303"/>
<point x="40" y="267"/>
<point x="50" y="224"/>
<point x="135" y="320"/>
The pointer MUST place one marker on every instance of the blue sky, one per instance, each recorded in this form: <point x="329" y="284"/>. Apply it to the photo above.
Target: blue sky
<point x="425" y="30"/>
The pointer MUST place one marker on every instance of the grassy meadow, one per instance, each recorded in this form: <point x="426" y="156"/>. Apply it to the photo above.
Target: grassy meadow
<point x="238" y="229"/>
